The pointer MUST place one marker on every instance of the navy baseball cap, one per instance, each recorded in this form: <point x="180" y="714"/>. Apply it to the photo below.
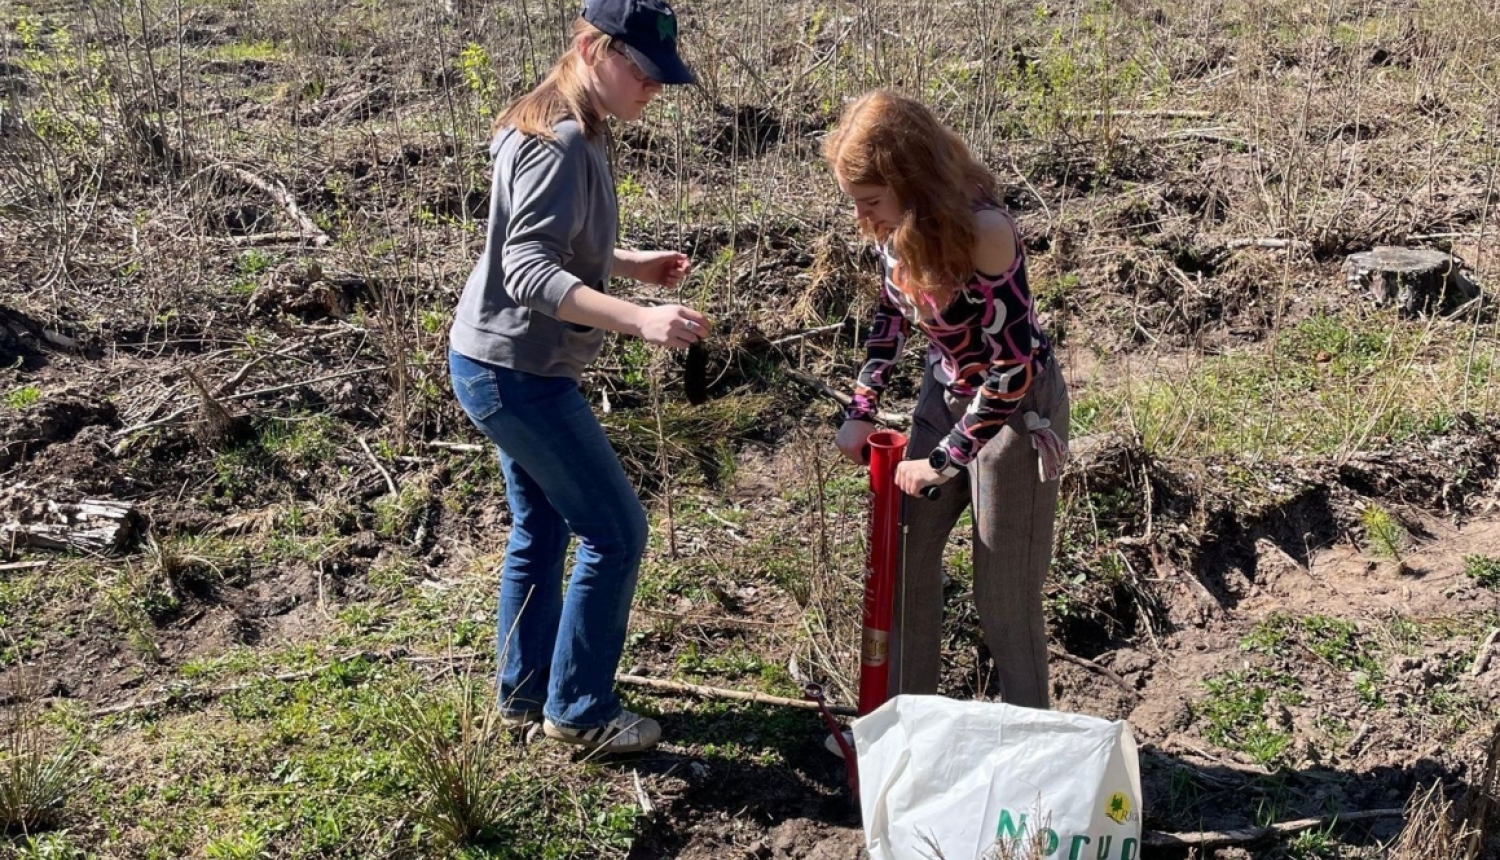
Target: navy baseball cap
<point x="646" y="31"/>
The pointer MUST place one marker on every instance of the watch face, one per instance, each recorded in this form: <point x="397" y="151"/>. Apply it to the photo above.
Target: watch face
<point x="938" y="459"/>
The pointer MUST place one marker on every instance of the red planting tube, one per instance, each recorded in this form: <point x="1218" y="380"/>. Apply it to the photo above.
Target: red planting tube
<point x="886" y="450"/>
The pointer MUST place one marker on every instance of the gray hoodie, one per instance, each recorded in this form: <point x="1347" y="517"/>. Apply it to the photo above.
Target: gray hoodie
<point x="553" y="224"/>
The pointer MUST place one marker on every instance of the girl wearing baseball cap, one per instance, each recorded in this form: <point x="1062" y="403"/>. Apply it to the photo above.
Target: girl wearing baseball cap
<point x="532" y="316"/>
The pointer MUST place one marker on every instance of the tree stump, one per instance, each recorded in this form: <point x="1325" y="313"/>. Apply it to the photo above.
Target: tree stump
<point x="92" y="525"/>
<point x="1417" y="281"/>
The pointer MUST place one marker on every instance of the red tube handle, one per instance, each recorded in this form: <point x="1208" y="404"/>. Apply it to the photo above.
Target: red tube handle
<point x="928" y="493"/>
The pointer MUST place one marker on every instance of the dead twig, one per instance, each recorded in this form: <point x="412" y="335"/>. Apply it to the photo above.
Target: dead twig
<point x="1090" y="665"/>
<point x="1146" y="114"/>
<point x="1244" y="835"/>
<point x="358" y="371"/>
<point x="1267" y="244"/>
<point x="1486" y="650"/>
<point x="704" y="692"/>
<point x="283" y="197"/>
<point x="807" y="333"/>
<point x="186" y="696"/>
<point x="462" y="447"/>
<point x="889" y="419"/>
<point x="648" y="809"/>
<point x="390" y="482"/>
<point x="705" y="620"/>
<point x="263" y="240"/>
<point x="21" y="565"/>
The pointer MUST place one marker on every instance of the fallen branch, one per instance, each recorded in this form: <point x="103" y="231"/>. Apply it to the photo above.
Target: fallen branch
<point x="889" y="419"/>
<point x="704" y="620"/>
<point x="463" y="447"/>
<point x="278" y="193"/>
<point x="807" y="333"/>
<point x="732" y="695"/>
<point x="1471" y="304"/>
<point x="1146" y="114"/>
<point x="1268" y="244"/>
<point x="343" y="374"/>
<point x="358" y="371"/>
<point x="390" y="482"/>
<point x="1482" y="658"/>
<point x="1094" y="667"/>
<point x="1218" y="838"/>
<point x="21" y="565"/>
<point x="1210" y="135"/>
<point x="235" y="380"/>
<point x="648" y="809"/>
<point x="1422" y="237"/>
<point x="262" y="240"/>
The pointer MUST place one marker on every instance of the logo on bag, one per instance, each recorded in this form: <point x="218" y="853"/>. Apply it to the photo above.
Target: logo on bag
<point x="1042" y="841"/>
<point x="1118" y="808"/>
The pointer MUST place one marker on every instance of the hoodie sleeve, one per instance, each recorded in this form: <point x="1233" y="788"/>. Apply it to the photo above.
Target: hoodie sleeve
<point x="549" y="203"/>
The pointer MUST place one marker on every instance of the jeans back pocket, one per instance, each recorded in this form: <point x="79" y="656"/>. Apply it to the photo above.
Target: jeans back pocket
<point x="475" y="386"/>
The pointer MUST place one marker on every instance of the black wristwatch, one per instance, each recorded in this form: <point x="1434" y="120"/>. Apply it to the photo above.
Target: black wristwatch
<point x="942" y="463"/>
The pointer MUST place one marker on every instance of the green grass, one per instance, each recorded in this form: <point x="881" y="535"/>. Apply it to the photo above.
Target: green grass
<point x="39" y="771"/>
<point x="349" y="763"/>
<point x="24" y="397"/>
<point x="1340" y="644"/>
<point x="1327" y="385"/>
<point x="1233" y="713"/>
<point x="1483" y="569"/>
<point x="260" y="50"/>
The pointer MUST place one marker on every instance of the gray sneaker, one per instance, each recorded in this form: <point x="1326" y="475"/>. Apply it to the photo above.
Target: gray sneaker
<point x="519" y="719"/>
<point x="831" y="743"/>
<point x="626" y="733"/>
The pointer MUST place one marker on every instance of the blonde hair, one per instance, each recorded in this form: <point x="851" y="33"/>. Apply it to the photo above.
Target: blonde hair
<point x="887" y="139"/>
<point x="562" y="95"/>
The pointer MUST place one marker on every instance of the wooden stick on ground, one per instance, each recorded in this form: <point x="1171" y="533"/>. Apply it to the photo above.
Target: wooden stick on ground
<point x="1146" y="114"/>
<point x="890" y="419"/>
<point x="282" y="196"/>
<point x="1482" y="656"/>
<point x="462" y="447"/>
<point x="806" y="333"/>
<point x="704" y="692"/>
<point x="1095" y="667"/>
<point x="1240" y="836"/>
<point x="147" y="425"/>
<point x="390" y="483"/>
<point x="1267" y="244"/>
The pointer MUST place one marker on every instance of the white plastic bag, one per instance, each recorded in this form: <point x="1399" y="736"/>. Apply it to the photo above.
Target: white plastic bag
<point x="939" y="777"/>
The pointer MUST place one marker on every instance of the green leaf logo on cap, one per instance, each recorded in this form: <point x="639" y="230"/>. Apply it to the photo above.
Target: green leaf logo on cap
<point x="666" y="28"/>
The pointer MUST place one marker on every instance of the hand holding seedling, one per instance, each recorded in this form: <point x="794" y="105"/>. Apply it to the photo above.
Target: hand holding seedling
<point x="674" y="326"/>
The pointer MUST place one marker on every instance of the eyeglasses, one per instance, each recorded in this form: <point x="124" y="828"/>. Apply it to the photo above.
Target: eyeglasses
<point x="635" y="70"/>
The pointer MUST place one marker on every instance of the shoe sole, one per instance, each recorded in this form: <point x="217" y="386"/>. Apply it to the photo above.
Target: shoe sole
<point x="833" y="746"/>
<point x="575" y="740"/>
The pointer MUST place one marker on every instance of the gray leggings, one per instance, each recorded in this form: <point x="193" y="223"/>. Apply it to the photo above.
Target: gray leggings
<point x="1014" y="515"/>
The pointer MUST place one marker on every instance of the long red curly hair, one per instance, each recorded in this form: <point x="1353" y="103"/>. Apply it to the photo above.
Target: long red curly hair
<point x="887" y="139"/>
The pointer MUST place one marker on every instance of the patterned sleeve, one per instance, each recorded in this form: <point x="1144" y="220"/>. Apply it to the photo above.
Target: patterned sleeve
<point x="888" y="333"/>
<point x="1009" y="326"/>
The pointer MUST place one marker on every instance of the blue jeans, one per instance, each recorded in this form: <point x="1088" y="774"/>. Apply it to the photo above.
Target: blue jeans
<point x="557" y="652"/>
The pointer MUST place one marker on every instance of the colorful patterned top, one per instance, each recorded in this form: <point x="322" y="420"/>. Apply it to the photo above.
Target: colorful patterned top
<point x="986" y="346"/>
